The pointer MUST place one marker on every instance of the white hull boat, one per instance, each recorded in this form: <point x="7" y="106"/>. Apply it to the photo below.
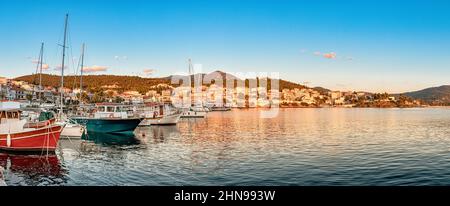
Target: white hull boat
<point x="220" y="109"/>
<point x="163" y="120"/>
<point x="193" y="114"/>
<point x="159" y="114"/>
<point x="73" y="131"/>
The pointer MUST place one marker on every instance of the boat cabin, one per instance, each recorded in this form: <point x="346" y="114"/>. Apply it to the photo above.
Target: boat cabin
<point x="155" y="110"/>
<point x="6" y="114"/>
<point x="110" y="111"/>
<point x="9" y="110"/>
<point x="10" y="121"/>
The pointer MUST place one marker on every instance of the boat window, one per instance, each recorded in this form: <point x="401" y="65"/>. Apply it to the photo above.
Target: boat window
<point x="12" y="115"/>
<point x="101" y="109"/>
<point x="110" y="109"/>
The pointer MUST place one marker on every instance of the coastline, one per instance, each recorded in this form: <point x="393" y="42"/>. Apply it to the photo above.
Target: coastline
<point x="346" y="107"/>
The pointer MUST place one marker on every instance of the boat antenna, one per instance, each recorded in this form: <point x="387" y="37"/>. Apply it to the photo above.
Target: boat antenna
<point x="62" y="66"/>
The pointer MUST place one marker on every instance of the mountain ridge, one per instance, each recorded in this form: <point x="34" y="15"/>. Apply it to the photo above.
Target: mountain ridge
<point x="439" y="95"/>
<point x="141" y="84"/>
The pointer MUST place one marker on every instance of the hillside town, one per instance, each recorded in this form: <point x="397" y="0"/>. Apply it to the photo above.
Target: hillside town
<point x="237" y="97"/>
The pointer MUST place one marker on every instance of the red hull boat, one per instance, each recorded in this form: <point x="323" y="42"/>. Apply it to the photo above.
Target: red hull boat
<point x="17" y="135"/>
<point x="43" y="139"/>
<point x="37" y="125"/>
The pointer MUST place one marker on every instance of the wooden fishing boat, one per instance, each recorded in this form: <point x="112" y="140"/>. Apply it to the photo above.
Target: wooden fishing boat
<point x="15" y="135"/>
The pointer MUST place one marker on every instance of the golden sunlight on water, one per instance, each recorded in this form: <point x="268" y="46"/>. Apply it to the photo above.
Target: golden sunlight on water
<point x="328" y="146"/>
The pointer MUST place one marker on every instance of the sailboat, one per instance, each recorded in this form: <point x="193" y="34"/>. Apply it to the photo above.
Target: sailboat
<point x="194" y="111"/>
<point x="74" y="129"/>
<point x="21" y="135"/>
<point x="70" y="128"/>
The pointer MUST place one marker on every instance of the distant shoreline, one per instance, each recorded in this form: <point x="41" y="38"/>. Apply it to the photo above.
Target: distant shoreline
<point x="333" y="107"/>
<point x="446" y="107"/>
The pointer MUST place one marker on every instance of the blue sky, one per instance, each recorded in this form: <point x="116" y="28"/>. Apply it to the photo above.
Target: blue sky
<point x="343" y="45"/>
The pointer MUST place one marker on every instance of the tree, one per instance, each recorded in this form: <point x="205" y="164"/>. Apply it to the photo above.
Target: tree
<point x="98" y="97"/>
<point x="118" y="99"/>
<point x="110" y="94"/>
<point x="361" y="101"/>
<point x="29" y="97"/>
<point x="84" y="97"/>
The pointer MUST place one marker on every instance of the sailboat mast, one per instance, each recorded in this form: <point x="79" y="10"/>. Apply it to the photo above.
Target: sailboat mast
<point x="62" y="65"/>
<point x="190" y="67"/>
<point x="41" y="60"/>
<point x="81" y="71"/>
<point x="190" y="82"/>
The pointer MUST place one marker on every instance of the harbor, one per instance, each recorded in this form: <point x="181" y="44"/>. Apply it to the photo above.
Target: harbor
<point x="37" y="126"/>
<point x="222" y="93"/>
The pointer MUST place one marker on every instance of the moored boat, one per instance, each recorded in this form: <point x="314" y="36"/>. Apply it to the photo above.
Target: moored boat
<point x="194" y="113"/>
<point x="161" y="120"/>
<point x="221" y="109"/>
<point x="108" y="118"/>
<point x="73" y="130"/>
<point x="159" y="114"/>
<point x="16" y="136"/>
<point x="196" y="110"/>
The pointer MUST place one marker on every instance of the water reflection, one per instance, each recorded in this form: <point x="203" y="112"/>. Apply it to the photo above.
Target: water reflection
<point x="109" y="139"/>
<point x="33" y="169"/>
<point x="298" y="147"/>
<point x="156" y="134"/>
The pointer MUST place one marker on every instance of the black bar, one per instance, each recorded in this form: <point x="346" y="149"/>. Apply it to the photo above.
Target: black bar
<point x="300" y="195"/>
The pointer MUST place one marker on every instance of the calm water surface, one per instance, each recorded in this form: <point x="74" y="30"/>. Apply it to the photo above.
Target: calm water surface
<point x="298" y="147"/>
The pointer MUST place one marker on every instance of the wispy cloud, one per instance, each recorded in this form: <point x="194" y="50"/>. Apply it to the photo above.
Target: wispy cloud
<point x="94" y="69"/>
<point x="330" y="55"/>
<point x="58" y="68"/>
<point x="44" y="66"/>
<point x="148" y="72"/>
<point x="120" y="58"/>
